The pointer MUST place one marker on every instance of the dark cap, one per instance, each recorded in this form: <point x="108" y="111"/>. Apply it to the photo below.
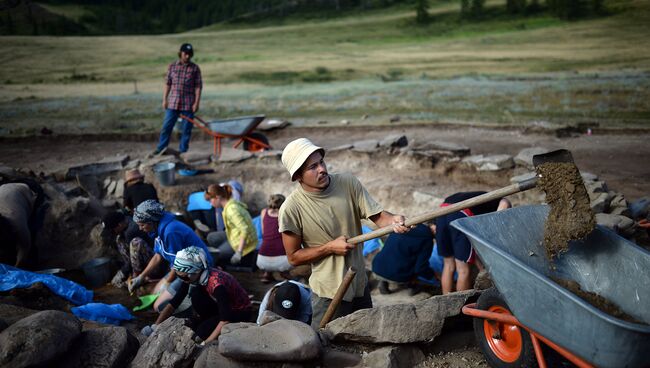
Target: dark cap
<point x="286" y="300"/>
<point x="187" y="48"/>
<point x="112" y="219"/>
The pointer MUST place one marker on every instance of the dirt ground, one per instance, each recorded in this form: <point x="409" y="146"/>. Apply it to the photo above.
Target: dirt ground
<point x="618" y="158"/>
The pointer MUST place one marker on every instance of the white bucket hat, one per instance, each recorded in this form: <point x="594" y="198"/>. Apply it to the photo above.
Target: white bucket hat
<point x="296" y="153"/>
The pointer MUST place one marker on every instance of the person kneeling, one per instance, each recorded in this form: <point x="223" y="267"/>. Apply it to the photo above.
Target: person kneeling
<point x="217" y="298"/>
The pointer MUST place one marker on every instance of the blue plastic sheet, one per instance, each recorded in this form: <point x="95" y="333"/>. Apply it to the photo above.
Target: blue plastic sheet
<point x="15" y="278"/>
<point x="196" y="201"/>
<point x="257" y="222"/>
<point x="112" y="314"/>
<point x="372" y="244"/>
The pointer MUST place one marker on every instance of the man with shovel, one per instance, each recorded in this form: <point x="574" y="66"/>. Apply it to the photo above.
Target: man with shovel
<point x="318" y="217"/>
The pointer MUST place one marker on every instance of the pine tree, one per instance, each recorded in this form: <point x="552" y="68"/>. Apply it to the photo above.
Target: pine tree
<point x="422" y="11"/>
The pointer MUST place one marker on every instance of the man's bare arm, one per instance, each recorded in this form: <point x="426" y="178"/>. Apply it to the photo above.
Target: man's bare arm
<point x="297" y="255"/>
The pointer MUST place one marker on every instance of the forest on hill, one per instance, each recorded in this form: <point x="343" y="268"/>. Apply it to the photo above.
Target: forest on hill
<point x="114" y="17"/>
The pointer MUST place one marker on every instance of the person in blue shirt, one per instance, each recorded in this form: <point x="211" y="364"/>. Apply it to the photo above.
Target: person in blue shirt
<point x="170" y="236"/>
<point x="404" y="258"/>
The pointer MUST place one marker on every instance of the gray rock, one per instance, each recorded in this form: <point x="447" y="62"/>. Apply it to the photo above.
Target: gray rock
<point x="617" y="200"/>
<point x="523" y="177"/>
<point x="232" y="155"/>
<point x="623" y="211"/>
<point x="107" y="182"/>
<point x="600" y="203"/>
<point x="444" y="148"/>
<point x="369" y="145"/>
<point x="490" y="163"/>
<point x="395" y="119"/>
<point x="525" y="156"/>
<point x="399" y="323"/>
<point x="90" y="185"/>
<point x="110" y="347"/>
<point x="119" y="189"/>
<point x="270" y="124"/>
<point x="3" y="325"/>
<point x="107" y="165"/>
<point x="210" y="357"/>
<point x="594" y="188"/>
<point x="133" y="164"/>
<point x="339" y="359"/>
<point x="281" y="340"/>
<point x="586" y="176"/>
<point x="171" y="345"/>
<point x="37" y="339"/>
<point x="617" y="223"/>
<point x="395" y="140"/>
<point x="405" y="356"/>
<point x="268" y="317"/>
<point x="111" y="187"/>
<point x="343" y="147"/>
<point x="195" y="157"/>
<point x="109" y="203"/>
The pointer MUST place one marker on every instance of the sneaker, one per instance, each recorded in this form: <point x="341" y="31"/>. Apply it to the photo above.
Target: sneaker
<point x="383" y="288"/>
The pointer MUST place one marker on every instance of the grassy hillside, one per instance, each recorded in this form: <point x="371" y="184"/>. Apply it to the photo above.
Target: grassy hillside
<point x="529" y="69"/>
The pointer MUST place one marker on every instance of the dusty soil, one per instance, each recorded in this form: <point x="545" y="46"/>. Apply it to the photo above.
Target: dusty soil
<point x="617" y="158"/>
<point x="571" y="217"/>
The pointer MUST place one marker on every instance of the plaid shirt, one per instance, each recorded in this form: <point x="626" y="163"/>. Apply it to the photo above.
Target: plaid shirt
<point x="183" y="80"/>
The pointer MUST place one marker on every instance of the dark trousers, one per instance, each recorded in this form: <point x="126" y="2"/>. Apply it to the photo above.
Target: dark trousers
<point x="319" y="306"/>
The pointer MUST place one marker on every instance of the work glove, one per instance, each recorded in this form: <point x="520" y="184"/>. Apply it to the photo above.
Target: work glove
<point x="148" y="330"/>
<point x="236" y="258"/>
<point x="118" y="279"/>
<point x="135" y="283"/>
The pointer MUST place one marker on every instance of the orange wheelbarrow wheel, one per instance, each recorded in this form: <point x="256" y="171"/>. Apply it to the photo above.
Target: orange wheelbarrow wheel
<point x="254" y="147"/>
<point x="503" y="345"/>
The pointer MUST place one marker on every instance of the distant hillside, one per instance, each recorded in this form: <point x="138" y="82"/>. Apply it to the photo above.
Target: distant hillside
<point x="103" y="17"/>
<point x="27" y="18"/>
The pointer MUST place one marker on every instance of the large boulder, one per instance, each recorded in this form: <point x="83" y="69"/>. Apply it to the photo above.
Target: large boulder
<point x="369" y="145"/>
<point x="104" y="166"/>
<point x="525" y="156"/>
<point x="443" y="148"/>
<point x="108" y="347"/>
<point x="170" y="346"/>
<point x="281" y="340"/>
<point x="490" y="162"/>
<point x="404" y="356"/>
<point x="394" y="140"/>
<point x="621" y="224"/>
<point x="232" y="155"/>
<point x="12" y="313"/>
<point x="399" y="323"/>
<point x="37" y="339"/>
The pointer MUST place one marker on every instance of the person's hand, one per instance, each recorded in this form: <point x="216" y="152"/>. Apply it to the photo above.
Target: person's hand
<point x="398" y="224"/>
<point x="340" y="246"/>
<point x="164" y="104"/>
<point x="135" y="283"/>
<point x="236" y="258"/>
<point x="148" y="330"/>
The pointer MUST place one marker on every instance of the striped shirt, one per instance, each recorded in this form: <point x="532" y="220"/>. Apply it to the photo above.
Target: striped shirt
<point x="183" y="80"/>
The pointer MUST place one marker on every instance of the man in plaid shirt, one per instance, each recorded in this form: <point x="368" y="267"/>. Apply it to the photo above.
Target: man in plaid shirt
<point x="181" y="96"/>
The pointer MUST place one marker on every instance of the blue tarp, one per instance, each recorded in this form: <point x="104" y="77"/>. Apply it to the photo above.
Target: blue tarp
<point x="104" y="313"/>
<point x="15" y="278"/>
<point x="257" y="222"/>
<point x="196" y="201"/>
<point x="372" y="244"/>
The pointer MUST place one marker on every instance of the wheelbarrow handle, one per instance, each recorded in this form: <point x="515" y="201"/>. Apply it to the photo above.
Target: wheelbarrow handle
<point x="483" y="198"/>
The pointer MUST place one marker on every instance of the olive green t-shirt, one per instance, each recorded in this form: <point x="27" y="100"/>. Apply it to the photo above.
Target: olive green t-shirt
<point x="324" y="216"/>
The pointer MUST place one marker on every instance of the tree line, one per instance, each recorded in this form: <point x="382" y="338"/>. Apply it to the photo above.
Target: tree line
<point x="171" y="16"/>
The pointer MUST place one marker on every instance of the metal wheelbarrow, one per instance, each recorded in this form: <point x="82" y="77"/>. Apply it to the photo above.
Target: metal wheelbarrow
<point x="530" y="303"/>
<point x="240" y="128"/>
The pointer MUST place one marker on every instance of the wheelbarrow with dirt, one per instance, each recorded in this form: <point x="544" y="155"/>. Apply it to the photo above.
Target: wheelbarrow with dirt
<point x="241" y="129"/>
<point x="529" y="305"/>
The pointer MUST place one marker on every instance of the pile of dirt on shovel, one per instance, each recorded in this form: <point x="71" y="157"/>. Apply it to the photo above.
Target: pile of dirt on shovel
<point x="571" y="217"/>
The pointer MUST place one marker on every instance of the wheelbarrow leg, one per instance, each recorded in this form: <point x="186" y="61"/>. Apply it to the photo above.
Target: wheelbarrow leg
<point x="541" y="362"/>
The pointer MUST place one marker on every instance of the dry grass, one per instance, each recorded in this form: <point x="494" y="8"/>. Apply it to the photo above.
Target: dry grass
<point x="240" y="64"/>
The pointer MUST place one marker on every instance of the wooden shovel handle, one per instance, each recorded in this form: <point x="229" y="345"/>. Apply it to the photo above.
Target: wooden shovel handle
<point x="331" y="309"/>
<point x="499" y="193"/>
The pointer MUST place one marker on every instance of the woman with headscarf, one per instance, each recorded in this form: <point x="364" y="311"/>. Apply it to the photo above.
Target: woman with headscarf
<point x="217" y="297"/>
<point x="240" y="241"/>
<point x="170" y="236"/>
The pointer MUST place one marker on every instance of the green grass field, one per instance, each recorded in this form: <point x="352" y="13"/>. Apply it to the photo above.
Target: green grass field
<point x="499" y="71"/>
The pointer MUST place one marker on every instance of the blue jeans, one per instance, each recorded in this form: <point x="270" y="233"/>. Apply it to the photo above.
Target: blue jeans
<point x="168" y="126"/>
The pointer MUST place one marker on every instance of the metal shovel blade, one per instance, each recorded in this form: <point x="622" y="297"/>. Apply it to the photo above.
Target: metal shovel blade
<point x="560" y="155"/>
